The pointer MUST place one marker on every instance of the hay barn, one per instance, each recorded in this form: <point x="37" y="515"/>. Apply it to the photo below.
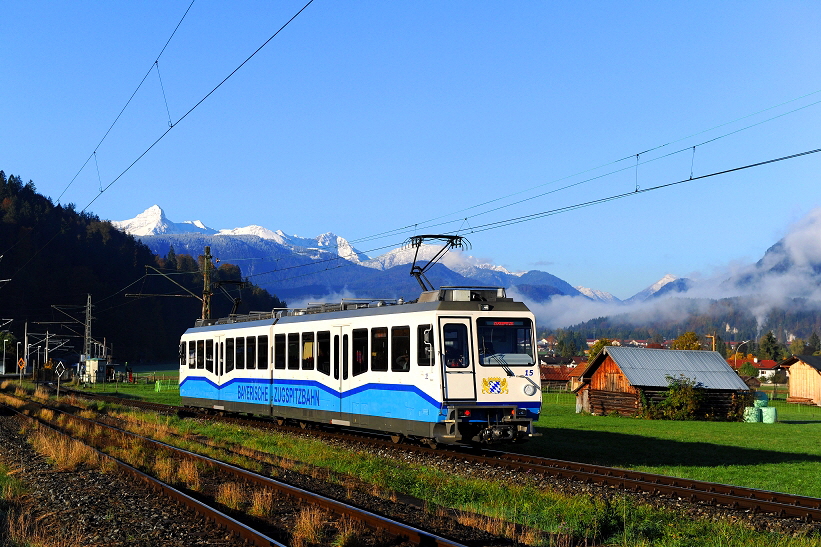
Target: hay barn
<point x="618" y="377"/>
<point x="805" y="379"/>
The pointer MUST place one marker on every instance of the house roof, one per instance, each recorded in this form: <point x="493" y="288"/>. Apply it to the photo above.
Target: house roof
<point x="766" y="364"/>
<point x="651" y="367"/>
<point x="554" y="374"/>
<point x="813" y="360"/>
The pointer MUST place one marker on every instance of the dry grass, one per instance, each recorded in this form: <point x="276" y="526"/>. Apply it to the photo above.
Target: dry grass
<point x="164" y="469"/>
<point x="24" y="529"/>
<point x="20" y="392"/>
<point x="261" y="502"/>
<point x="46" y="414"/>
<point x="66" y="453"/>
<point x="5" y="384"/>
<point x="348" y="533"/>
<point x="308" y="528"/>
<point x="230" y="494"/>
<point x="41" y="393"/>
<point x="189" y="474"/>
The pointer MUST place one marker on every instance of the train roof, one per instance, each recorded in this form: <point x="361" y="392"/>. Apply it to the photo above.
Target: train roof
<point x="445" y="298"/>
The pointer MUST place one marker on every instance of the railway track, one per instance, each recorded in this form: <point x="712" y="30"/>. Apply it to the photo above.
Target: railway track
<point x="406" y="534"/>
<point x="714" y="494"/>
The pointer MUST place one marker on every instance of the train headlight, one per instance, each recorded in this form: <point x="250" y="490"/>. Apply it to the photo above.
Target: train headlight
<point x="530" y="390"/>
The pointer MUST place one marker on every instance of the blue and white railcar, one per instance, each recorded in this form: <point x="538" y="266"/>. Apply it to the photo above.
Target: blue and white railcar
<point x="458" y="365"/>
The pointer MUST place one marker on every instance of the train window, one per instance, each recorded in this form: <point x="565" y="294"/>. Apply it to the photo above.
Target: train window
<point x="400" y="349"/>
<point x="192" y="355"/>
<point x="209" y="355"/>
<point x="279" y="351"/>
<point x="182" y="354"/>
<point x="505" y="341"/>
<point x="220" y="348"/>
<point x="200" y="354"/>
<point x="323" y="352"/>
<point x="424" y="345"/>
<point x="239" y="353"/>
<point x="293" y="351"/>
<point x="456" y="345"/>
<point x="262" y="351"/>
<point x="360" y="351"/>
<point x="229" y="354"/>
<point x="251" y="352"/>
<point x="336" y="356"/>
<point x="345" y="357"/>
<point x="379" y="349"/>
<point x="307" y="351"/>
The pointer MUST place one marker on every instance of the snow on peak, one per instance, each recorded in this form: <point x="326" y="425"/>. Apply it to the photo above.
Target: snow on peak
<point x="595" y="294"/>
<point x="455" y="260"/>
<point x="153" y="221"/>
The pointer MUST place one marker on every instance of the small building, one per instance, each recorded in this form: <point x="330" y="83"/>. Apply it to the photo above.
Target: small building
<point x="622" y="379"/>
<point x="805" y="378"/>
<point x="554" y="378"/>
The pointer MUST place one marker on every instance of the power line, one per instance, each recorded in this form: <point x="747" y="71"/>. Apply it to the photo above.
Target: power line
<point x="155" y="63"/>
<point x="274" y="35"/>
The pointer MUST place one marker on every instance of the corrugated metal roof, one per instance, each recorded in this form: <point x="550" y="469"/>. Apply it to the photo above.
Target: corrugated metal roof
<point x="650" y="367"/>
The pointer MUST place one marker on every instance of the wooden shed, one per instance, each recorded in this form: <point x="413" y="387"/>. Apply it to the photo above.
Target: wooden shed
<point x="620" y="378"/>
<point x="805" y="379"/>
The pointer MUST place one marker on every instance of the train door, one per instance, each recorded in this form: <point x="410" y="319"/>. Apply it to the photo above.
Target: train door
<point x="340" y="367"/>
<point x="219" y="362"/>
<point x="457" y="359"/>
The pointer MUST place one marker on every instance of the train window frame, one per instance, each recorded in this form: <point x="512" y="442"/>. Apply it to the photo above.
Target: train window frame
<point x="280" y="345"/>
<point x="345" y="356"/>
<point x="308" y="351"/>
<point x="516" y="326"/>
<point x="239" y="353"/>
<point x="200" y="354"/>
<point x="400" y="348"/>
<point x="182" y="355"/>
<point x="250" y="352"/>
<point x="191" y="354"/>
<point x="336" y="357"/>
<point x="229" y="355"/>
<point x="323" y="352"/>
<point x="262" y="352"/>
<point x="456" y="345"/>
<point x="359" y="351"/>
<point x="293" y="351"/>
<point x="209" y="355"/>
<point x="424" y="358"/>
<point x="379" y="349"/>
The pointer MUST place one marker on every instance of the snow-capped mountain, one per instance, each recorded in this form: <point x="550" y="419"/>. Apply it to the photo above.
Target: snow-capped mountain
<point x="666" y="285"/>
<point x="455" y="260"/>
<point x="597" y="295"/>
<point x="153" y="221"/>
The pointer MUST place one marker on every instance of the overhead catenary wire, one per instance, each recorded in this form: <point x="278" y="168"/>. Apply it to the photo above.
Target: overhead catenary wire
<point x="190" y="110"/>
<point x="156" y="60"/>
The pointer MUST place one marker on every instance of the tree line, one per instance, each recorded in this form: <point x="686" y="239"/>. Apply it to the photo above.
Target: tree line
<point x="52" y="257"/>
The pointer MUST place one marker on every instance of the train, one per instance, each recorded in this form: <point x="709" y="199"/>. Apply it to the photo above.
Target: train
<point x="458" y="365"/>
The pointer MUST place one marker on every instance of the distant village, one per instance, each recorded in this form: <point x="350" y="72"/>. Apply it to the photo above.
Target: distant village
<point x="567" y="373"/>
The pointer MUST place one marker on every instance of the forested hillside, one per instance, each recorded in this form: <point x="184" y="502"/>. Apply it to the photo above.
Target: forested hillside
<point x="53" y="255"/>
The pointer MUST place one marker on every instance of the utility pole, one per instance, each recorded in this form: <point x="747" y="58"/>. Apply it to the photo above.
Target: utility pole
<point x="712" y="337"/>
<point x="206" y="284"/>
<point x="87" y="338"/>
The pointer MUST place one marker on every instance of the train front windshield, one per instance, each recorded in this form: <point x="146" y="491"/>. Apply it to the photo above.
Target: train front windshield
<point x="505" y="342"/>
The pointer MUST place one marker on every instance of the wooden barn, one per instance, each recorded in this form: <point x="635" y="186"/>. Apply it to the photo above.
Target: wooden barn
<point x="805" y="379"/>
<point x="619" y="378"/>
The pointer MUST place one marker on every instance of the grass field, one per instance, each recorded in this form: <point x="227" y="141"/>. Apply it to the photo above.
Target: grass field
<point x="784" y="456"/>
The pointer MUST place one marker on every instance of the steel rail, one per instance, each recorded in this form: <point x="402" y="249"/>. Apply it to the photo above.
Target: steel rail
<point x="736" y="497"/>
<point x="369" y="519"/>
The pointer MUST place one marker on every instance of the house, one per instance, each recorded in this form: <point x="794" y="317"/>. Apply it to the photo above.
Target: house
<point x="805" y="379"/>
<point x="554" y="378"/>
<point x="622" y="380"/>
<point x="575" y="375"/>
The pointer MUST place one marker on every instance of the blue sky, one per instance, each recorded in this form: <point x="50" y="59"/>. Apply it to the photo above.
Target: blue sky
<point x="364" y="117"/>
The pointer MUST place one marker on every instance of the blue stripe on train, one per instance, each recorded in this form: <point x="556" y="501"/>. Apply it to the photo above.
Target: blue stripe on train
<point x="388" y="400"/>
